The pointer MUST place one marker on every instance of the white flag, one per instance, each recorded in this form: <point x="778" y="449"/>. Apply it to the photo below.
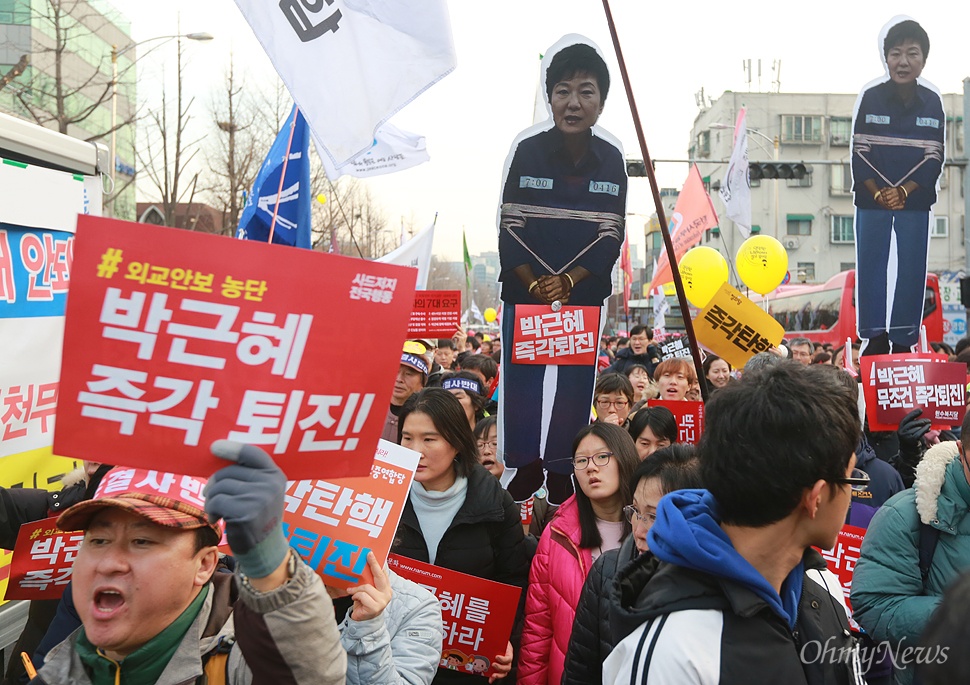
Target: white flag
<point x="392" y="150"/>
<point x="415" y="253"/>
<point x="351" y="64"/>
<point x="736" y="188"/>
<point x="660" y="308"/>
<point x="476" y="316"/>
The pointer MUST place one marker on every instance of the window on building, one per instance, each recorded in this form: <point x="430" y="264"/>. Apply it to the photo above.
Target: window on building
<point x="846" y="266"/>
<point x="840" y="131"/>
<point x="806" y="272"/>
<point x="803" y="182"/>
<point x="704" y="144"/>
<point x="841" y="179"/>
<point x="801" y="129"/>
<point x="799" y="225"/>
<point x="842" y="230"/>
<point x="941" y="227"/>
<point x="707" y="236"/>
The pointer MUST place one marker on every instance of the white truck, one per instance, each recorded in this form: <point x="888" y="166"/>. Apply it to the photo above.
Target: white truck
<point x="46" y="180"/>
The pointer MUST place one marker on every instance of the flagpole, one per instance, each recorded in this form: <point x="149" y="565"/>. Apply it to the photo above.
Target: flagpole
<point x="286" y="159"/>
<point x="655" y="188"/>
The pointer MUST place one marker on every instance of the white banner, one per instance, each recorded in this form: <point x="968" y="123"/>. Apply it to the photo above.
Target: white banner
<point x="392" y="150"/>
<point x="351" y="64"/>
<point x="735" y="188"/>
<point x="415" y="253"/>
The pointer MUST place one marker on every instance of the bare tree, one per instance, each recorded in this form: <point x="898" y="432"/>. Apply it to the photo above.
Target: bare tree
<point x="236" y="150"/>
<point x="167" y="155"/>
<point x="49" y="97"/>
<point x="15" y="71"/>
<point x="352" y="217"/>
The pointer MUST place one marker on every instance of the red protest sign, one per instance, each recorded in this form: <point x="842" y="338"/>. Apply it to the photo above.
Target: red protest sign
<point x="43" y="559"/>
<point x="334" y="524"/>
<point x="566" y="337"/>
<point x="689" y="416"/>
<point x="174" y="339"/>
<point x="477" y="614"/>
<point x="894" y="385"/>
<point x="436" y="314"/>
<point x="842" y="558"/>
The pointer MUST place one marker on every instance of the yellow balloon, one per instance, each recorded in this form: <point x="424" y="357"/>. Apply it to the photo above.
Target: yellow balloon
<point x="762" y="263"/>
<point x="703" y="271"/>
<point x="490" y="314"/>
<point x="322" y="199"/>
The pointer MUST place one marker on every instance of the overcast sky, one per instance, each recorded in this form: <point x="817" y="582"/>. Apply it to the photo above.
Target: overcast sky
<point x="672" y="50"/>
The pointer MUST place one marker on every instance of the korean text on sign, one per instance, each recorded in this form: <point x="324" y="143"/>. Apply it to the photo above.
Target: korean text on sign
<point x="896" y="386"/>
<point x="42" y="561"/>
<point x="334" y="524"/>
<point x="476" y="614"/>
<point x="566" y="337"/>
<point x="735" y="328"/>
<point x="842" y="558"/>
<point x="436" y="314"/>
<point x="689" y="416"/>
<point x="178" y="339"/>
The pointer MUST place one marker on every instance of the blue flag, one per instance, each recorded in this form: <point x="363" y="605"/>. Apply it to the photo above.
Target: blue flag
<point x="293" y="205"/>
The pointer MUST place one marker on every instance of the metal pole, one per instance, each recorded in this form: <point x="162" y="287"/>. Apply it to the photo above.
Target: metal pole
<point x="966" y="179"/>
<point x="655" y="188"/>
<point x="286" y="159"/>
<point x="777" y="223"/>
<point x="114" y="117"/>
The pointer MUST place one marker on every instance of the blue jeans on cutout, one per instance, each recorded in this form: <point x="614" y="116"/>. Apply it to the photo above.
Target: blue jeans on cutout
<point x="873" y="231"/>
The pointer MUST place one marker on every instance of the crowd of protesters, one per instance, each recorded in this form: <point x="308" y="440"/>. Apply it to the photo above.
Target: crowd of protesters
<point x="670" y="563"/>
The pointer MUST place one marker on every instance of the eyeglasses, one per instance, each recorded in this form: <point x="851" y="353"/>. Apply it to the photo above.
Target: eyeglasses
<point x="601" y="459"/>
<point x="859" y="482"/>
<point x="491" y="444"/>
<point x="605" y="403"/>
<point x="634" y="516"/>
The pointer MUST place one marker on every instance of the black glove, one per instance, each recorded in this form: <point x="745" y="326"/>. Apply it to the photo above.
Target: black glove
<point x="912" y="429"/>
<point x="248" y="495"/>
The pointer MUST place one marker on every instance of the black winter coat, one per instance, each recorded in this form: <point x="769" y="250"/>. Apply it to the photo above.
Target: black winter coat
<point x="485" y="539"/>
<point x="591" y="641"/>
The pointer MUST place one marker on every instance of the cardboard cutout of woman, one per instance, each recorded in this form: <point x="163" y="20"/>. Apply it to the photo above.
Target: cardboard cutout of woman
<point x="561" y="227"/>
<point x="897" y="157"/>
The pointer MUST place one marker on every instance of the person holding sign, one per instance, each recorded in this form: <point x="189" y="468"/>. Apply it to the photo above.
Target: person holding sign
<point x="587" y="525"/>
<point x="560" y="231"/>
<point x="391" y="629"/>
<point x="897" y="157"/>
<point x="457" y="515"/>
<point x="151" y="607"/>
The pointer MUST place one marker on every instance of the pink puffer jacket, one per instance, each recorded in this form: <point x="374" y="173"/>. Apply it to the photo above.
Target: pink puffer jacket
<point x="556" y="579"/>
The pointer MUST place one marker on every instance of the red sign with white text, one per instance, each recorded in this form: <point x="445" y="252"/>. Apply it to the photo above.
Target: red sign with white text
<point x="895" y="385"/>
<point x="842" y="558"/>
<point x="477" y="614"/>
<point x="436" y="314"/>
<point x="43" y="559"/>
<point x="567" y="337"/>
<point x="689" y="416"/>
<point x="174" y="339"/>
<point x="334" y="524"/>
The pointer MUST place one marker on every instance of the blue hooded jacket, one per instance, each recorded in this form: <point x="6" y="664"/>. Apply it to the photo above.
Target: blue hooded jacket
<point x="687" y="533"/>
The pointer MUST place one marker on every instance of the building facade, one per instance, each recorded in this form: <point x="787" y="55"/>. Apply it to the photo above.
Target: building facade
<point x="73" y="39"/>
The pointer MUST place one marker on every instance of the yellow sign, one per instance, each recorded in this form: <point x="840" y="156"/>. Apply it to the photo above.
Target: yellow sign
<point x="735" y="328"/>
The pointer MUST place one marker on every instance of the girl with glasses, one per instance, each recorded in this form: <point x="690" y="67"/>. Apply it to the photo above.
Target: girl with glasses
<point x="587" y="524"/>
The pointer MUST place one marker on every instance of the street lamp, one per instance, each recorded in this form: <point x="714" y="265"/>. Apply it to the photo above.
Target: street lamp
<point x="115" y="53"/>
<point x="774" y="142"/>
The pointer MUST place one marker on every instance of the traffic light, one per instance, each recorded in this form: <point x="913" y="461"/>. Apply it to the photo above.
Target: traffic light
<point x="773" y="170"/>
<point x="636" y="167"/>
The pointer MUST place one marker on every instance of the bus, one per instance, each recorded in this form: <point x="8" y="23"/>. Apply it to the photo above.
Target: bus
<point x="825" y="313"/>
